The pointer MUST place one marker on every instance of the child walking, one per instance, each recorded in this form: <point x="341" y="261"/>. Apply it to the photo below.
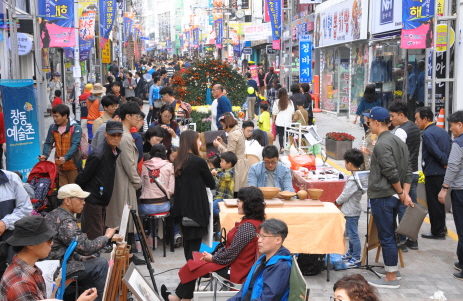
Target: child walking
<point x="350" y="202"/>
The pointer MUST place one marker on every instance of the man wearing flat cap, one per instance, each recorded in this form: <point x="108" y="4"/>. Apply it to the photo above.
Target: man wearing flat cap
<point x="98" y="178"/>
<point x="90" y="270"/>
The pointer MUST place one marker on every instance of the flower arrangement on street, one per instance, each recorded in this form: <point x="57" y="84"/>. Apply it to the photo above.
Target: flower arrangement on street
<point x="201" y="115"/>
<point x="336" y="136"/>
<point x="191" y="85"/>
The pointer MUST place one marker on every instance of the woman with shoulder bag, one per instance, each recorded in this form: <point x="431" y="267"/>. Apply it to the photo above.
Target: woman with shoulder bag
<point x="191" y="205"/>
<point x="235" y="259"/>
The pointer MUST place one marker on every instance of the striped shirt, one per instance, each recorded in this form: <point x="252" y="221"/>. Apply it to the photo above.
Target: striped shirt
<point x="454" y="172"/>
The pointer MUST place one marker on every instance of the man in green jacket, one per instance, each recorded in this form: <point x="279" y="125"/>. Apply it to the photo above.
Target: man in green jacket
<point x="388" y="185"/>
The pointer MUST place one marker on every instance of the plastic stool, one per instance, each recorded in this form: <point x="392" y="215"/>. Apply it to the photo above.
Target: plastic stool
<point x="153" y="218"/>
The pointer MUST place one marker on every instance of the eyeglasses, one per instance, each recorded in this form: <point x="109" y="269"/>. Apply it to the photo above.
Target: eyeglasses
<point x="264" y="236"/>
<point x="136" y="115"/>
<point x="335" y="299"/>
<point x="271" y="162"/>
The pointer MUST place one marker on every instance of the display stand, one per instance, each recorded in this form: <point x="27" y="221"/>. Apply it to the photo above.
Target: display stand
<point x="307" y="135"/>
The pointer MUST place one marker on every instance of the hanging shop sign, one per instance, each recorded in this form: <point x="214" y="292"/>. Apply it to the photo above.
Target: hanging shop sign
<point x="21" y="124"/>
<point x="270" y="50"/>
<point x="257" y="32"/>
<point x="56" y="19"/>
<point x="247" y="50"/>
<point x="107" y="14"/>
<point x="340" y="22"/>
<point x="218" y="26"/>
<point x="305" y="63"/>
<point x="106" y="53"/>
<point x="274" y="9"/>
<point x="128" y="25"/>
<point x="24" y="43"/>
<point x="386" y="15"/>
<point x="417" y="24"/>
<point x="442" y="37"/>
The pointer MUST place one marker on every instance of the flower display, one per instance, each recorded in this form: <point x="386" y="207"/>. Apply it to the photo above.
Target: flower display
<point x="339" y="136"/>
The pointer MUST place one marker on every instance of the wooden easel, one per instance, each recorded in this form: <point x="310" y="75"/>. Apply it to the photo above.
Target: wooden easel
<point x="373" y="243"/>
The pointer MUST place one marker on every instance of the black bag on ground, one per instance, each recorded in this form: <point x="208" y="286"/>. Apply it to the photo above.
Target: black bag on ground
<point x="311" y="264"/>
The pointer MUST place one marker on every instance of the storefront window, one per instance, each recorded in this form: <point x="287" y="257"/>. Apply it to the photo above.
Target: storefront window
<point x="387" y="71"/>
<point x="359" y="59"/>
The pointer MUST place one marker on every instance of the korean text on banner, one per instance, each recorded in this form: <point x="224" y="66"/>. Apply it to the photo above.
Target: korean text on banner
<point x="56" y="18"/>
<point x="254" y="74"/>
<point x="305" y="68"/>
<point x="218" y="26"/>
<point x="257" y="32"/>
<point x="387" y="16"/>
<point x="417" y="24"/>
<point x="128" y="25"/>
<point x="107" y="14"/>
<point x="274" y="8"/>
<point x="106" y="53"/>
<point x="344" y="22"/>
<point x="21" y="125"/>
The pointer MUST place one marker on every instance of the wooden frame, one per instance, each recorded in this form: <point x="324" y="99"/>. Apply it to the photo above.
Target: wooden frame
<point x="138" y="285"/>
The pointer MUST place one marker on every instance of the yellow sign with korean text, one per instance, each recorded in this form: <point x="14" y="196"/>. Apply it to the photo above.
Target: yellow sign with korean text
<point x="106" y="53"/>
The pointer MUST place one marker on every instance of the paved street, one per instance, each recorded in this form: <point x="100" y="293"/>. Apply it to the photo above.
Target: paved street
<point x="426" y="271"/>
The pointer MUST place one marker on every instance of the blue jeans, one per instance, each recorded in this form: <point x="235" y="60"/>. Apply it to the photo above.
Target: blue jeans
<point x="457" y="209"/>
<point x="94" y="275"/>
<point x="145" y="209"/>
<point x="352" y="227"/>
<point x="385" y="211"/>
<point x="413" y="196"/>
<point x="215" y="208"/>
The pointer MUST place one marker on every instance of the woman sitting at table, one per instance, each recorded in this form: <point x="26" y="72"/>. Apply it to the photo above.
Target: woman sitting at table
<point x="167" y="122"/>
<point x="233" y="261"/>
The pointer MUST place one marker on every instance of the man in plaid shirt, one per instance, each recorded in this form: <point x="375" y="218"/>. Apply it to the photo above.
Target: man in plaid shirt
<point x="225" y="177"/>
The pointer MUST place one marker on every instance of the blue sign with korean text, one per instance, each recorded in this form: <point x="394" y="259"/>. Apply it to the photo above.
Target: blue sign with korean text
<point x="305" y="63"/>
<point x="107" y="14"/>
<point x="274" y="9"/>
<point x="21" y="125"/>
<point x="387" y="12"/>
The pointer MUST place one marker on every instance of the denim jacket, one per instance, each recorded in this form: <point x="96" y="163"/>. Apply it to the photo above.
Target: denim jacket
<point x="258" y="174"/>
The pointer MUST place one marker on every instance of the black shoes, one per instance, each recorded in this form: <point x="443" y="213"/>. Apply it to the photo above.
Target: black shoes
<point x="458" y="275"/>
<point x="432" y="236"/>
<point x="136" y="260"/>
<point x="403" y="247"/>
<point x="457" y="266"/>
<point x="411" y="244"/>
<point x="164" y="293"/>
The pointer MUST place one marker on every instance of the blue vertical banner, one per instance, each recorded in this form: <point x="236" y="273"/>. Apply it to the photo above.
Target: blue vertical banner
<point x="187" y="38"/>
<point x="128" y="25"/>
<point x="274" y="9"/>
<point x="21" y="125"/>
<point x="305" y="63"/>
<point x="218" y="26"/>
<point x="181" y="40"/>
<point x="196" y="37"/>
<point x="107" y="14"/>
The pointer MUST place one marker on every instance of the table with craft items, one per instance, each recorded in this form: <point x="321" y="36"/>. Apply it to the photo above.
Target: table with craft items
<point x="332" y="189"/>
<point x="312" y="230"/>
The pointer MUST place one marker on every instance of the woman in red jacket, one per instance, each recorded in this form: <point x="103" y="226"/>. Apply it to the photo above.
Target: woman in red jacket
<point x="235" y="259"/>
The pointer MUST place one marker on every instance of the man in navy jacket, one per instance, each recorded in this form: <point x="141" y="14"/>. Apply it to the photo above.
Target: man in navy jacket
<point x="223" y="103"/>
<point x="435" y="152"/>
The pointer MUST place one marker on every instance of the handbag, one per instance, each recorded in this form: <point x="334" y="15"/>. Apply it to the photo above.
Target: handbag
<point x="412" y="221"/>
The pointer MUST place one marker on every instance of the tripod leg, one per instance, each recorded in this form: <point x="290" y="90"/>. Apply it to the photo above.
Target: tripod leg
<point x="328" y="267"/>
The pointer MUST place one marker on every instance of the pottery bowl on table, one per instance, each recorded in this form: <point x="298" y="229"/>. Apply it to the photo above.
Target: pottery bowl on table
<point x="302" y="194"/>
<point x="287" y="195"/>
<point x="315" y="194"/>
<point x="269" y="192"/>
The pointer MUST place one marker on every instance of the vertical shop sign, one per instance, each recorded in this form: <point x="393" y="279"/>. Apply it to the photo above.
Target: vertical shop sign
<point x="106" y="54"/>
<point x="56" y="19"/>
<point x="417" y="24"/>
<point x="21" y="125"/>
<point x="305" y="52"/>
<point x="387" y="12"/>
<point x="218" y="27"/>
<point x="87" y="18"/>
<point x="274" y="8"/>
<point x="128" y="25"/>
<point x="266" y="13"/>
<point x="440" y="86"/>
<point x="107" y="14"/>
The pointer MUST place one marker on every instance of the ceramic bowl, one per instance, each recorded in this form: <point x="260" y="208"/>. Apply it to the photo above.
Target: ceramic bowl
<point x="270" y="192"/>
<point x="287" y="194"/>
<point x="302" y="194"/>
<point x="315" y="194"/>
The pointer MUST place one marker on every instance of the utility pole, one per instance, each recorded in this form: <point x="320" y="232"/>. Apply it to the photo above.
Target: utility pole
<point x="15" y="71"/>
<point x="77" y="73"/>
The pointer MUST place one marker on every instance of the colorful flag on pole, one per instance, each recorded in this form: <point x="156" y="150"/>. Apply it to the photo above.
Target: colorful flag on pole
<point x="274" y="8"/>
<point x="417" y="24"/>
<point x="107" y="14"/>
<point x="56" y="19"/>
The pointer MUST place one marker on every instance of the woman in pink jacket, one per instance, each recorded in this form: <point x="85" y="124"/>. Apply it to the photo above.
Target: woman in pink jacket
<point x="158" y="182"/>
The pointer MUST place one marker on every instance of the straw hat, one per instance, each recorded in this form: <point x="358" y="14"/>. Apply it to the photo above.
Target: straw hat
<point x="98" y="89"/>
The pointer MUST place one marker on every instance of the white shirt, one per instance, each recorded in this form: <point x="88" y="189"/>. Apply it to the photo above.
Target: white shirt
<point x="252" y="147"/>
<point x="214" y="115"/>
<point x="283" y="117"/>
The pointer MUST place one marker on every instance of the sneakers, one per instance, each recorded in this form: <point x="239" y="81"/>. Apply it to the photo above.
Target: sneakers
<point x="384" y="284"/>
<point x="457" y="266"/>
<point x="412" y="244"/>
<point x="403" y="247"/>
<point x="353" y="263"/>
<point x="382" y="273"/>
<point x="136" y="260"/>
<point x="177" y="240"/>
<point x="458" y="275"/>
<point x="346" y="256"/>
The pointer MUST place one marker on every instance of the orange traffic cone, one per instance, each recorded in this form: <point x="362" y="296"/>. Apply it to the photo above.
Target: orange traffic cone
<point x="441" y="118"/>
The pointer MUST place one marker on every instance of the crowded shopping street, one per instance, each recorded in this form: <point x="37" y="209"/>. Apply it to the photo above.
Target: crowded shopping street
<point x="299" y="150"/>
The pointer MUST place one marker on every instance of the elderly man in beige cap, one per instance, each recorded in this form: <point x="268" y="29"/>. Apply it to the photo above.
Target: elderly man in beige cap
<point x="90" y="270"/>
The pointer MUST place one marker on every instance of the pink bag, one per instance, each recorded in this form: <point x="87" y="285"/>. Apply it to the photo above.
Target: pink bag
<point x="274" y="130"/>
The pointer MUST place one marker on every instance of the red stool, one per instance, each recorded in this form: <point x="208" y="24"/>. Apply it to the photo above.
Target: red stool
<point x="153" y="219"/>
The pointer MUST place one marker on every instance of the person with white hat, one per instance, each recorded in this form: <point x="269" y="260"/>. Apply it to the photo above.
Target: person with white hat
<point x="32" y="240"/>
<point x="90" y="270"/>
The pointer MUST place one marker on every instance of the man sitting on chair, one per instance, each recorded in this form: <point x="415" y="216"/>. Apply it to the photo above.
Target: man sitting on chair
<point x="269" y="276"/>
<point x="90" y="270"/>
<point x="270" y="172"/>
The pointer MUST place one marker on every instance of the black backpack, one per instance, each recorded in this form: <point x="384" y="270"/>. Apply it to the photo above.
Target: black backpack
<point x="311" y="264"/>
<point x="146" y="89"/>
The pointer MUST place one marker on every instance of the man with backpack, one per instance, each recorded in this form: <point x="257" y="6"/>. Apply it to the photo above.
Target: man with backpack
<point x="269" y="77"/>
<point x="269" y="278"/>
<point x="65" y="135"/>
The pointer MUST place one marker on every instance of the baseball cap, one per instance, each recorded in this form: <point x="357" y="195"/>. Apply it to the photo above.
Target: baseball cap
<point x="113" y="127"/>
<point x="377" y="113"/>
<point x="71" y="191"/>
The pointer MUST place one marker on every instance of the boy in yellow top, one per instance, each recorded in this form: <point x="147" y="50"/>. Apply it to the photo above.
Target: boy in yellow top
<point x="264" y="118"/>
